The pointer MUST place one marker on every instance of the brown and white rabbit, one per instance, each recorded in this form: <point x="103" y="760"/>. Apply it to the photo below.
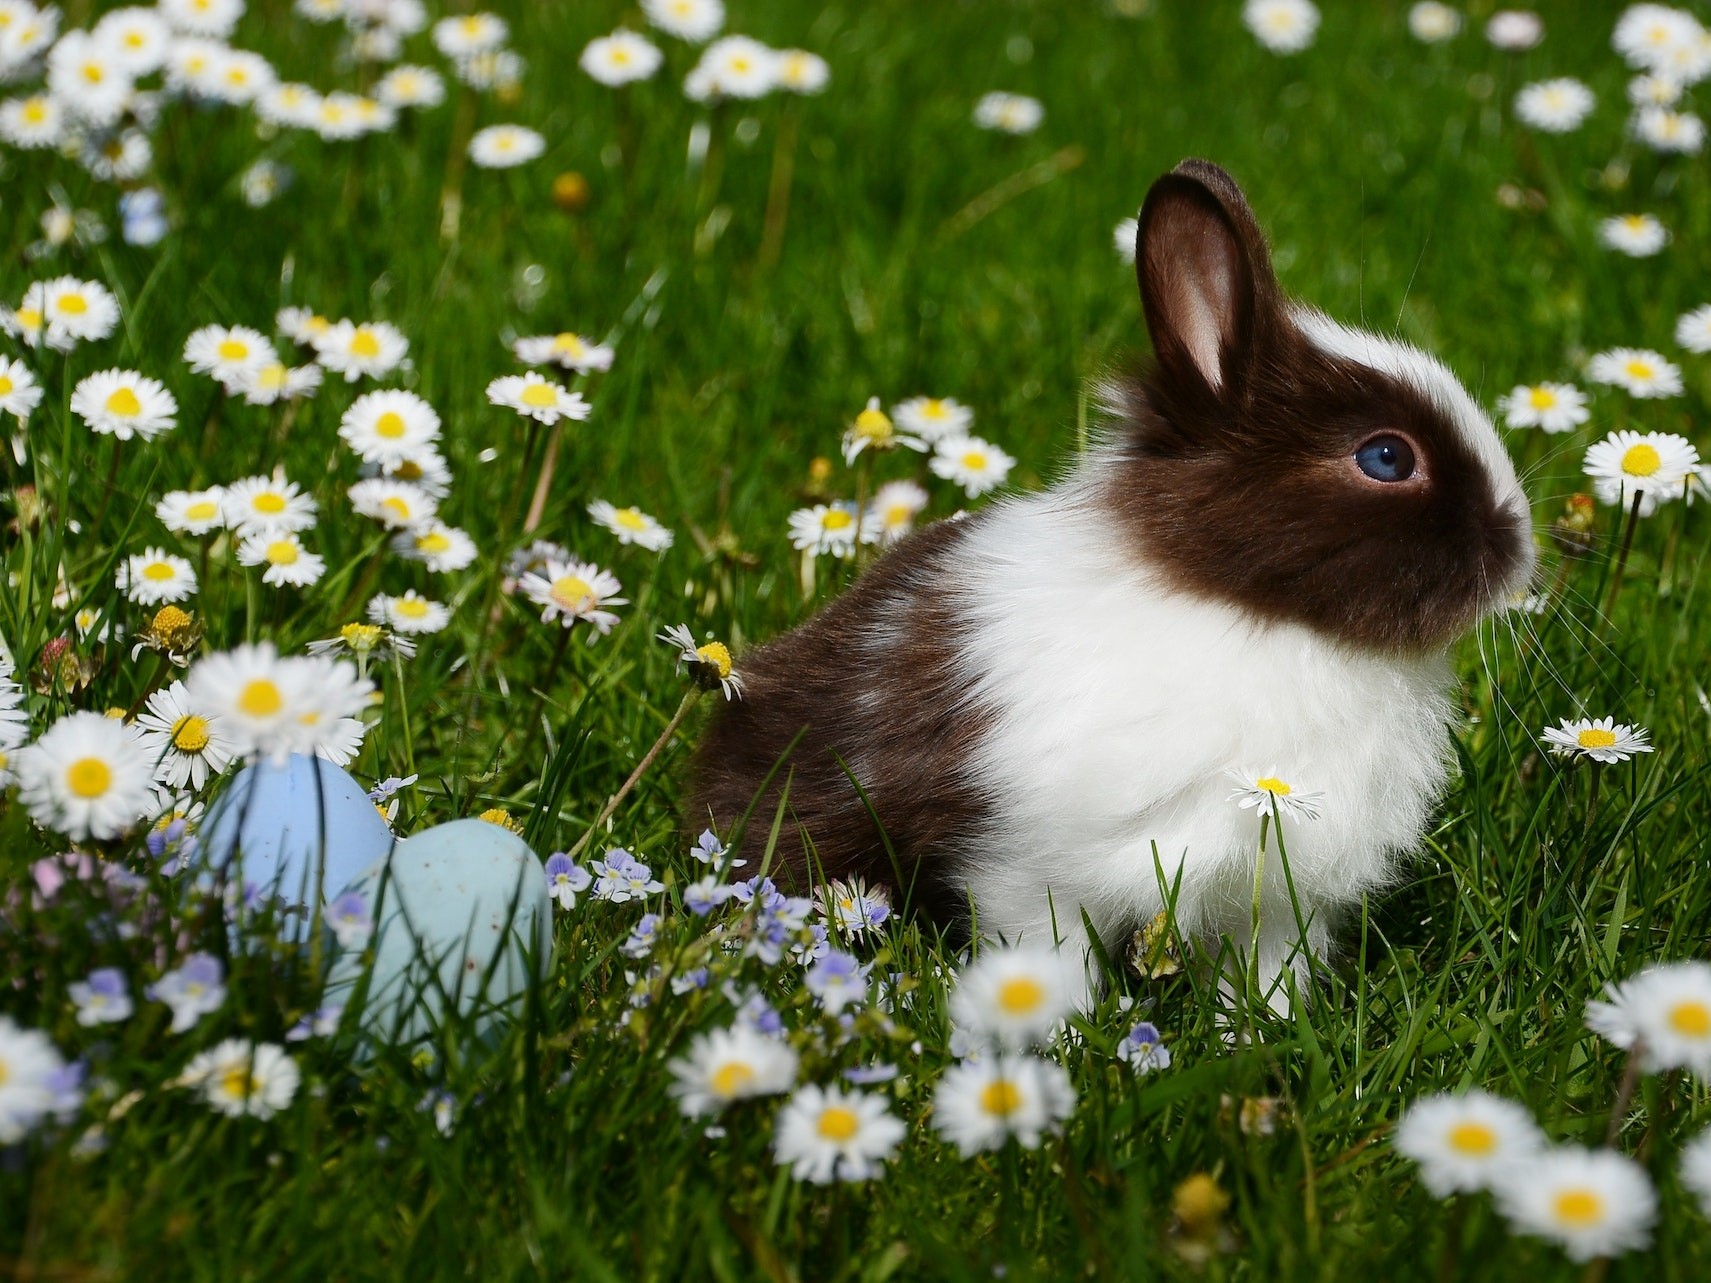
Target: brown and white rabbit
<point x="1261" y="571"/>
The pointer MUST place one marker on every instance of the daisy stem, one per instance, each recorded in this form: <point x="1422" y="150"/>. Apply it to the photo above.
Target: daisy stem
<point x="1624" y="1095"/>
<point x="1449" y="1262"/>
<point x="1622" y="554"/>
<point x="549" y="464"/>
<point x="641" y="769"/>
<point x="451" y="195"/>
<point x="778" y="190"/>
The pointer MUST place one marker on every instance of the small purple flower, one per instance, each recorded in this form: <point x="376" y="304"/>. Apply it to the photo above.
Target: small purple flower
<point x="837" y="980"/>
<point x="443" y="1106"/>
<point x="643" y="938"/>
<point x="620" y="877"/>
<point x="173" y="844"/>
<point x="349" y="919"/>
<point x="566" y="879"/>
<point x="65" y="1086"/>
<point x="1141" y="1049"/>
<point x="102" y="999"/>
<point x="192" y="991"/>
<point x="317" y="1024"/>
<point x="701" y="897"/>
<point x="688" y="980"/>
<point x="868" y="1075"/>
<point x="709" y="850"/>
<point x="754" y="1011"/>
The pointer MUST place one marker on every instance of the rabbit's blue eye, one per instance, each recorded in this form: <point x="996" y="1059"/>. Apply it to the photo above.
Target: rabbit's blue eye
<point x="1386" y="458"/>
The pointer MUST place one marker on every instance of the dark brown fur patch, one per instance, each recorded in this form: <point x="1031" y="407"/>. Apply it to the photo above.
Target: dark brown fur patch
<point x="870" y="685"/>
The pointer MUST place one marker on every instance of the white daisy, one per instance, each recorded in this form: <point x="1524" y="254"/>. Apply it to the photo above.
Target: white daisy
<point x="1282" y="26"/>
<point x="428" y="470"/>
<point x="20" y="394"/>
<point x="1554" y="106"/>
<point x="191" y="512"/>
<point x="825" y="528"/>
<point x="734" y="67"/>
<point x="241" y="1079"/>
<point x="981" y="1104"/>
<point x="1009" y="113"/>
<point x="709" y="663"/>
<point x="124" y="404"/>
<point x="802" y="72"/>
<point x="408" y="86"/>
<point x="274" y="381"/>
<point x="215" y="18"/>
<point x="1639" y="372"/>
<point x="185" y="748"/>
<point x="397" y="505"/>
<point x="575" y="590"/>
<point x="1647" y="34"/>
<point x="389" y="427"/>
<point x="1015" y="995"/>
<point x="1653" y="466"/>
<point x="1663" y="1013"/>
<point x="1514" y="30"/>
<point x="631" y="525"/>
<point x="1554" y="407"/>
<point x="372" y="348"/>
<point x="620" y="58"/>
<point x="1464" y="1141"/>
<point x="192" y="65"/>
<point x="693" y="20"/>
<point x="268" y="704"/>
<point x="891" y="513"/>
<point x="85" y="777"/>
<point x="439" y="547"/>
<point x="412" y="613"/>
<point x="1692" y="330"/>
<point x="34" y="121"/>
<point x="975" y="465"/>
<point x="536" y="398"/>
<point x="156" y="576"/>
<point x="1590" y="1202"/>
<point x="137" y="38"/>
<point x="829" y="1133"/>
<point x="69" y="311"/>
<point x="1636" y="235"/>
<point x="505" y="146"/>
<point x="85" y="75"/>
<point x="1654" y="91"/>
<point x="239" y="77"/>
<point x="29" y="1073"/>
<point x="1602" y="739"/>
<point x="933" y="418"/>
<point x="288" y="562"/>
<point x="226" y="353"/>
<point x="572" y="351"/>
<point x="1269" y="794"/>
<point x="471" y="33"/>
<point x="1669" y="131"/>
<point x="302" y="325"/>
<point x="1433" y="23"/>
<point x="263" y="505"/>
<point x="873" y="430"/>
<point x="727" y="1065"/>
<point x="495" y="69"/>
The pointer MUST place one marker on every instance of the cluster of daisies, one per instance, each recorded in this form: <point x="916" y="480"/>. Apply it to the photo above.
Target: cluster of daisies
<point x="1593" y="1202"/>
<point x="729" y="67"/>
<point x="939" y="428"/>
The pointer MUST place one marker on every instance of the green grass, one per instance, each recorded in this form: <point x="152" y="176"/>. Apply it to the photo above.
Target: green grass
<point x="1376" y="165"/>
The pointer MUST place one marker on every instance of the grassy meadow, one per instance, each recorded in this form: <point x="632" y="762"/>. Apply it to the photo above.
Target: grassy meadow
<point x="761" y="269"/>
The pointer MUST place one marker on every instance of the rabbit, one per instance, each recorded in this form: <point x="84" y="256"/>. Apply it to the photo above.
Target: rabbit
<point x="1027" y="720"/>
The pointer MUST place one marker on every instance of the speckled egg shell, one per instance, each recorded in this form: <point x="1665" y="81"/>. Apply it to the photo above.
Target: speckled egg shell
<point x="464" y="919"/>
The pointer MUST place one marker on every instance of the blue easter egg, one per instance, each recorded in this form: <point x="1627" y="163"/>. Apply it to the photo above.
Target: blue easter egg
<point x="291" y="827"/>
<point x="464" y="919"/>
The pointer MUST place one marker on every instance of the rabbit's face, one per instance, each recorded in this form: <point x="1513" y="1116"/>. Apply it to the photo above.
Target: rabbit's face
<point x="1297" y="468"/>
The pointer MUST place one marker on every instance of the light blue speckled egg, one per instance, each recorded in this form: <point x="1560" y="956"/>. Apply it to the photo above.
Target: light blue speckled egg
<point x="281" y="819"/>
<point x="464" y="919"/>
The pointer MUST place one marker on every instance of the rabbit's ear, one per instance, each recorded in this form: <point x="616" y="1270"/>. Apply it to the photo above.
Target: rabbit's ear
<point x="1206" y="280"/>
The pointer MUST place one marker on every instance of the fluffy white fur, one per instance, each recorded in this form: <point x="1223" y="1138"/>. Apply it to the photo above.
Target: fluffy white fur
<point x="1119" y="707"/>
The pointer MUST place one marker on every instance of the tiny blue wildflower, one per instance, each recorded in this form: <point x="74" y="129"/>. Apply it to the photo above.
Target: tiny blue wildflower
<point x="443" y="1106"/>
<point x="349" y="919"/>
<point x="102" y="999"/>
<point x="1141" y="1049"/>
<point x="173" y="844"/>
<point x="643" y="937"/>
<point x="620" y="877"/>
<point x="317" y="1024"/>
<point x="868" y="1075"/>
<point x="754" y="1011"/>
<point x="837" y="980"/>
<point x="65" y="1087"/>
<point x="565" y="879"/>
<point x="704" y="895"/>
<point x="142" y="215"/>
<point x="709" y="850"/>
<point x="685" y="981"/>
<point x="192" y="991"/>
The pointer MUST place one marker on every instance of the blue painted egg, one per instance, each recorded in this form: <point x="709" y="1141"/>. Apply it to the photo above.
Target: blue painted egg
<point x="282" y="823"/>
<point x="463" y="923"/>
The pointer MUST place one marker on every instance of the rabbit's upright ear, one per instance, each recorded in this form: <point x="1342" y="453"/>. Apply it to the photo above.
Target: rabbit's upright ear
<point x="1206" y="279"/>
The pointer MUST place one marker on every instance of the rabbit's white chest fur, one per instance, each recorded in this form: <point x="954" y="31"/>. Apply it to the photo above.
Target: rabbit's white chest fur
<point x="1116" y="711"/>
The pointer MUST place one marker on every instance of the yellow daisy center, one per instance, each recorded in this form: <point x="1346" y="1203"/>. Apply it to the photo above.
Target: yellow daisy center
<point x="837" y="1123"/>
<point x="471" y="25"/>
<point x="1578" y="1208"/>
<point x="390" y="425"/>
<point x="837" y="519"/>
<point x="29" y="317"/>
<point x="1595" y="737"/>
<point x="124" y="401"/>
<point x="75" y="304"/>
<point x="232" y="350"/>
<point x="620" y="56"/>
<point x="269" y="501"/>
<point x="160" y="572"/>
<point x="410" y="607"/>
<point x="238" y="1083"/>
<point x="1019" y="995"/>
<point x="271" y="377"/>
<point x="35" y="111"/>
<point x="630" y="519"/>
<point x="190" y="733"/>
<point x="1692" y="1018"/>
<point x="169" y="619"/>
<point x="1000" y="1097"/>
<point x="283" y="552"/>
<point x="899" y="514"/>
<point x="933" y="408"/>
<point x="89" y="777"/>
<point x="361" y="636"/>
<point x="731" y="1077"/>
<point x="569" y="344"/>
<point x="433" y="542"/>
<point x="1641" y="460"/>
<point x="716" y="654"/>
<point x="94" y="73"/>
<point x="6" y="385"/>
<point x="1634" y="222"/>
<point x="202" y="510"/>
<point x="538" y="395"/>
<point x="1474" y="1139"/>
<point x="974" y="461"/>
<point x="1274" y="786"/>
<point x="393" y="504"/>
<point x="1637" y="369"/>
<point x="1542" y="398"/>
<point x="873" y="425"/>
<point x="572" y="592"/>
<point x="260" y="697"/>
<point x="363" y="343"/>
